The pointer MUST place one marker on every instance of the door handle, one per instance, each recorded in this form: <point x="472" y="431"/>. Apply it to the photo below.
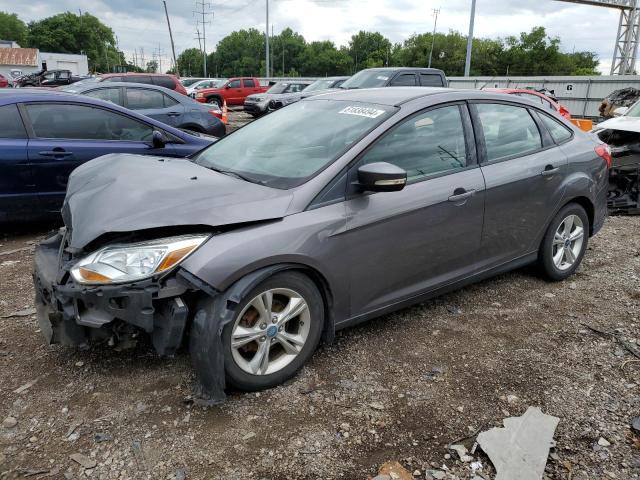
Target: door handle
<point x="173" y="114"/>
<point x="55" y="153"/>
<point x="550" y="170"/>
<point x="460" y="194"/>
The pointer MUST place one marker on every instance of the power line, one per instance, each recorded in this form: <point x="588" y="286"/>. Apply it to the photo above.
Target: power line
<point x="204" y="11"/>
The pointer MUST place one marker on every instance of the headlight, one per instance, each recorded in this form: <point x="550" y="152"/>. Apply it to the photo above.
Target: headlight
<point x="199" y="95"/>
<point x="127" y="263"/>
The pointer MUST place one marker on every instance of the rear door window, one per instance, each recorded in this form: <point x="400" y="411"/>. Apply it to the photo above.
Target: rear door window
<point x="404" y="80"/>
<point x="430" y="80"/>
<point x="558" y="132"/>
<point x="144" y="99"/>
<point x="509" y="131"/>
<point x="249" y="83"/>
<point x="166" y="82"/>
<point x="113" y="79"/>
<point x="84" y="122"/>
<point x="11" y="123"/>
<point x="107" y="94"/>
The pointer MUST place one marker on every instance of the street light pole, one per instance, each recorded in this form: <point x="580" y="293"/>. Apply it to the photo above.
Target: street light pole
<point x="266" y="35"/>
<point x="467" y="63"/>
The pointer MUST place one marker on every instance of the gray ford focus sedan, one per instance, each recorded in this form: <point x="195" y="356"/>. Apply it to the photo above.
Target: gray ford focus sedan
<point x="334" y="210"/>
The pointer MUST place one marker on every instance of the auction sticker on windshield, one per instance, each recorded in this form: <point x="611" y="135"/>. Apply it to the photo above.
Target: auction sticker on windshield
<point x="362" y="111"/>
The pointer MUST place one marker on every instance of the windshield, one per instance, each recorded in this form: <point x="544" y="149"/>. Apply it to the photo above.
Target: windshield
<point x="288" y="147"/>
<point x="634" y="111"/>
<point x="186" y="82"/>
<point x="279" y="87"/>
<point x="320" y="85"/>
<point x="368" y="79"/>
<point x="73" y="88"/>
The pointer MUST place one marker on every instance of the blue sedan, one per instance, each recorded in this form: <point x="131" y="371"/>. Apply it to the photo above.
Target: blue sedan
<point x="45" y="135"/>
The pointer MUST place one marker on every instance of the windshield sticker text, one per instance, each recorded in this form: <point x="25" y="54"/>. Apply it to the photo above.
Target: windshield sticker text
<point x="362" y="111"/>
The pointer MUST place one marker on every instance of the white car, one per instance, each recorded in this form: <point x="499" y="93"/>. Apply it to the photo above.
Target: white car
<point x="206" y="83"/>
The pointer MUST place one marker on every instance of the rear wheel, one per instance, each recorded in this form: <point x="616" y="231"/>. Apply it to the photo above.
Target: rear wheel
<point x="276" y="329"/>
<point x="565" y="243"/>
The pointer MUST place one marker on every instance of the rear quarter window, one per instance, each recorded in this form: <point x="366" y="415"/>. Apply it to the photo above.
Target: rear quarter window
<point x="559" y="132"/>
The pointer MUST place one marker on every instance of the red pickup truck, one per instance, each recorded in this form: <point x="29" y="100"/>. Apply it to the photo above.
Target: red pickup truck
<point x="233" y="91"/>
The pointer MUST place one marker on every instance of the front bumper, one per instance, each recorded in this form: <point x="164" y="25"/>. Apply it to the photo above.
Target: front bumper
<point x="78" y="315"/>
<point x="255" y="107"/>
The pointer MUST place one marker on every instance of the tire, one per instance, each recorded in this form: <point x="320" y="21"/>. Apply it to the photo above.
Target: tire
<point x="214" y="101"/>
<point x="561" y="246"/>
<point x="284" y="366"/>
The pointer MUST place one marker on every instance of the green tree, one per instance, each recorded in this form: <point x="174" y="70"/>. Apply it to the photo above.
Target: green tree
<point x="321" y="59"/>
<point x="152" y="66"/>
<point x="71" y="33"/>
<point x="240" y="53"/>
<point x="369" y="49"/>
<point x="12" y="28"/>
<point x="287" y="52"/>
<point x="190" y="62"/>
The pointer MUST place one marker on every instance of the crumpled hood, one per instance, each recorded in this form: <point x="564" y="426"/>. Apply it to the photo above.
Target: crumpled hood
<point x="124" y="193"/>
<point x="627" y="124"/>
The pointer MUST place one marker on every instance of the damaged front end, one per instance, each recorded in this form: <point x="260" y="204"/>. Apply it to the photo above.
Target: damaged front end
<point x="624" y="175"/>
<point x="75" y="314"/>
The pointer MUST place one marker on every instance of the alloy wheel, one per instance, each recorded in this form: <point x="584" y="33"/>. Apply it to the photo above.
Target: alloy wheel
<point x="567" y="242"/>
<point x="270" y="331"/>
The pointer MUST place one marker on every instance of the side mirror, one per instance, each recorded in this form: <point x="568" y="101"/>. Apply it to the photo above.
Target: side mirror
<point x="227" y="86"/>
<point x="158" y="139"/>
<point x="620" y="111"/>
<point x="381" y="177"/>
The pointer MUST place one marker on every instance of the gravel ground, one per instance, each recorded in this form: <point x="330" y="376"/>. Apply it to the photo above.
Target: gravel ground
<point x="401" y="387"/>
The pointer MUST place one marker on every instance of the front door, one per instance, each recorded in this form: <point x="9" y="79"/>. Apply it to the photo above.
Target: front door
<point x="427" y="235"/>
<point x="67" y="135"/>
<point x="235" y="93"/>
<point x="523" y="170"/>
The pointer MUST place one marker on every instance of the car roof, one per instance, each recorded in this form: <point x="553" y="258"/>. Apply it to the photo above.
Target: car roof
<point x="396" y="96"/>
<point x="97" y="85"/>
<point x="131" y="74"/>
<point x="399" y="69"/>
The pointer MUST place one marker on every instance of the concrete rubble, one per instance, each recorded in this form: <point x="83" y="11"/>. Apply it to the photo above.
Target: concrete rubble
<point x="520" y="449"/>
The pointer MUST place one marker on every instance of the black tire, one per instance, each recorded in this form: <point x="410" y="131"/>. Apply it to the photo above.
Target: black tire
<point x="214" y="101"/>
<point x="545" y="257"/>
<point x="238" y="378"/>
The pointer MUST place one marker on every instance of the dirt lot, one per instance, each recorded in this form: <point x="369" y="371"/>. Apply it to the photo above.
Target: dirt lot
<point x="398" y="388"/>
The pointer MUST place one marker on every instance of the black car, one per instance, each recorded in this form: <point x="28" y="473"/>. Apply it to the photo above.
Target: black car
<point x="48" y="78"/>
<point x="397" y="77"/>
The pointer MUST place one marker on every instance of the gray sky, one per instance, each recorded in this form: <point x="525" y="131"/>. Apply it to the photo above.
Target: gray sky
<point x="141" y="23"/>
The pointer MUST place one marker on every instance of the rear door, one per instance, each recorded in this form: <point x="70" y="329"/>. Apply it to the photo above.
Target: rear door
<point x="108" y="94"/>
<point x="65" y="135"/>
<point x="251" y="86"/>
<point x="524" y="171"/>
<point x="427" y="235"/>
<point x="18" y="196"/>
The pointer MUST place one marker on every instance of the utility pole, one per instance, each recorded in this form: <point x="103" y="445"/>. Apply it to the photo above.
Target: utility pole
<point x="173" y="47"/>
<point x="436" y="12"/>
<point x="204" y="10"/>
<point x="272" y="62"/>
<point x="266" y="35"/>
<point x="467" y="63"/>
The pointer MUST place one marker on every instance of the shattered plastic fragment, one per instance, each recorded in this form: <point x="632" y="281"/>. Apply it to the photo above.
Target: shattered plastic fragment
<point x="520" y="449"/>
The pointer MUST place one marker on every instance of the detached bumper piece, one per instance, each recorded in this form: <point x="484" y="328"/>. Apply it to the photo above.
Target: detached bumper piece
<point x="78" y="315"/>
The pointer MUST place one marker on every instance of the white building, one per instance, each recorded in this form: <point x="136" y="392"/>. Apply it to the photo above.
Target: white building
<point x="16" y="61"/>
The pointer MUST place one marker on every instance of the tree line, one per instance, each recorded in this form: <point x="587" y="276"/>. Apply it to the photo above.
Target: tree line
<point x="243" y="52"/>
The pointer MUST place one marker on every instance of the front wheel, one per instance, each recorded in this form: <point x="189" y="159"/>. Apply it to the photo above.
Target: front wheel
<point x="565" y="243"/>
<point x="214" y="101"/>
<point x="275" y="330"/>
